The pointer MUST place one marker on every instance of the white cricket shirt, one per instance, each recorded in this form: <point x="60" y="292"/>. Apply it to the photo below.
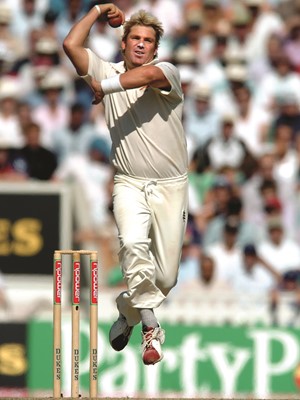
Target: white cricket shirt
<point x="145" y="124"/>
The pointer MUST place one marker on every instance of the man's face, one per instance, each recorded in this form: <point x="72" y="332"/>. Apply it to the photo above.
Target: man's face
<point x="140" y="46"/>
<point x="227" y="130"/>
<point x="230" y="237"/>
<point x="207" y="269"/>
<point x="4" y="156"/>
<point x="276" y="235"/>
<point x="29" y="6"/>
<point x="33" y="136"/>
<point x="249" y="261"/>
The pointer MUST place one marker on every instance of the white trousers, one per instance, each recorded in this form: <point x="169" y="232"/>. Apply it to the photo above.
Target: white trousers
<point x="151" y="217"/>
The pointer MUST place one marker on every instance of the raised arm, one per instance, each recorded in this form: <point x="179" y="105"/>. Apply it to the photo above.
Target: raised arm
<point x="74" y="42"/>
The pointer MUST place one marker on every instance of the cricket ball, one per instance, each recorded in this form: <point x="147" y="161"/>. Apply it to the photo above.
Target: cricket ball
<point x="116" y="21"/>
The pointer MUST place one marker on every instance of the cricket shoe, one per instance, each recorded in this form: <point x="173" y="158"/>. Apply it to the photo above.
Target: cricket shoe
<point x="120" y="333"/>
<point x="153" y="338"/>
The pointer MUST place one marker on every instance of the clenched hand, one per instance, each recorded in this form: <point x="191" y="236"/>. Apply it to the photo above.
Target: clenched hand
<point x="96" y="87"/>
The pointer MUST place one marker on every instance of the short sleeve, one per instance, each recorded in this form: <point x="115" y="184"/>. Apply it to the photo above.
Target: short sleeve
<point x="172" y="74"/>
<point x="97" y="67"/>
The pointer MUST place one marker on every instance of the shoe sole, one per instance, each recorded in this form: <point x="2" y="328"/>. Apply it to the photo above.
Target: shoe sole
<point x="121" y="341"/>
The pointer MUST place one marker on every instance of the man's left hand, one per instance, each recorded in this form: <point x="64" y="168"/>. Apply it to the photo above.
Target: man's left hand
<point x="96" y="87"/>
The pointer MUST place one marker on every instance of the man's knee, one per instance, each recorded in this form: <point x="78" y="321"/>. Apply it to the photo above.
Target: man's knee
<point x="134" y="248"/>
<point x="136" y="261"/>
<point x="166" y="284"/>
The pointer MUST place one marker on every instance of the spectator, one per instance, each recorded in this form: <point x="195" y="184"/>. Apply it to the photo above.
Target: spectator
<point x="284" y="254"/>
<point x="49" y="27"/>
<point x="92" y="172"/>
<point x="10" y="130"/>
<point x="26" y="19"/>
<point x="24" y="112"/>
<point x="191" y="36"/>
<point x="206" y="283"/>
<point x="214" y="62"/>
<point x="271" y="204"/>
<point x="287" y="113"/>
<point x="292" y="42"/>
<point x="97" y="117"/>
<point x="200" y="183"/>
<point x="125" y="5"/>
<point x="207" y="274"/>
<point x="225" y="97"/>
<point x="268" y="191"/>
<point x="74" y="138"/>
<point x="91" y="176"/>
<point x="255" y="281"/>
<point x="191" y="251"/>
<point x="247" y="233"/>
<point x="12" y="167"/>
<point x="213" y="13"/>
<point x="272" y="207"/>
<point x="41" y="162"/>
<point x="286" y="169"/>
<point x="225" y="150"/>
<point x="170" y="15"/>
<point x="251" y="193"/>
<point x="260" y="68"/>
<point x="253" y="24"/>
<point x="264" y="23"/>
<point x="241" y="28"/>
<point x="289" y="285"/>
<point x="202" y="123"/>
<point x="278" y="250"/>
<point x="252" y="124"/>
<point x="42" y="57"/>
<point x="104" y="41"/>
<point x="185" y="60"/>
<point x="255" y="277"/>
<point x="215" y="193"/>
<point x="281" y="81"/>
<point x="53" y="113"/>
<point x="73" y="10"/>
<point x="226" y="253"/>
<point x="13" y="49"/>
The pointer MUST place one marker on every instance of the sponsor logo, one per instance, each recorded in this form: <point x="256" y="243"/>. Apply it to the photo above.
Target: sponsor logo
<point x="94" y="282"/>
<point x="57" y="364"/>
<point x="58" y="281"/>
<point x="76" y="282"/>
<point x="76" y="364"/>
<point x="94" y="365"/>
<point x="22" y="238"/>
<point x="13" y="360"/>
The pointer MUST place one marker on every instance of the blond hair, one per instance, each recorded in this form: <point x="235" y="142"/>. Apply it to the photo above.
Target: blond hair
<point x="143" y="18"/>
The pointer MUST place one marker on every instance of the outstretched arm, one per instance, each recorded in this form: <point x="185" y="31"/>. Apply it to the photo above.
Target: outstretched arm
<point x="74" y="42"/>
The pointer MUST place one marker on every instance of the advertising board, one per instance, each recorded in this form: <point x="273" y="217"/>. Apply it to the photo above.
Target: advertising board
<point x="35" y="219"/>
<point x="198" y="360"/>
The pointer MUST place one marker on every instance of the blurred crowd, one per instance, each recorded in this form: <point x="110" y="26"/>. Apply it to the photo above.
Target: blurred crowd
<point x="239" y="62"/>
